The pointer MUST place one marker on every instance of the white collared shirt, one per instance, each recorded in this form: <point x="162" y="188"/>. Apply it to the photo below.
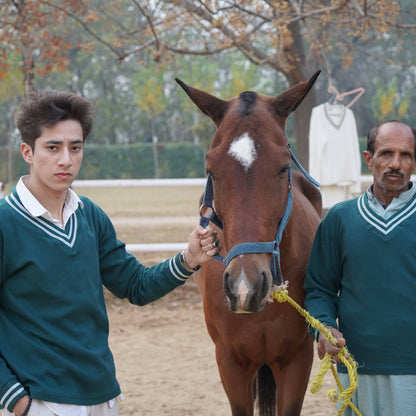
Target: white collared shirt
<point x="395" y="205"/>
<point x="36" y="209"/>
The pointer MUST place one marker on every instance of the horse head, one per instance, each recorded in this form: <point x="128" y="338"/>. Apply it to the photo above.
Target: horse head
<point x="249" y="165"/>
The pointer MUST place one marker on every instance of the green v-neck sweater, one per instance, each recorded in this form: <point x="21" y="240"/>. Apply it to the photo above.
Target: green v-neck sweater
<point x="362" y="270"/>
<point x="53" y="321"/>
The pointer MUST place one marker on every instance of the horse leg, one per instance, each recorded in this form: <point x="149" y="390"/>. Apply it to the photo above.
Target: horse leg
<point x="292" y="380"/>
<point x="237" y="380"/>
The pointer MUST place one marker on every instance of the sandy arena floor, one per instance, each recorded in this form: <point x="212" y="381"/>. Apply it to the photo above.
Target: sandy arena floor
<point x="166" y="364"/>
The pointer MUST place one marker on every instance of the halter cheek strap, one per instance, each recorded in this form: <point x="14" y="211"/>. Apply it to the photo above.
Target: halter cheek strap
<point x="207" y="208"/>
<point x="302" y="169"/>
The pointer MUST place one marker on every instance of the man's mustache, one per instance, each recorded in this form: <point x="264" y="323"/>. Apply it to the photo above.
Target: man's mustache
<point x="394" y="172"/>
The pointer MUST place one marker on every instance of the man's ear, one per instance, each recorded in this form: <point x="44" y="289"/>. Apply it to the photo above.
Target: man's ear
<point x="368" y="157"/>
<point x="27" y="153"/>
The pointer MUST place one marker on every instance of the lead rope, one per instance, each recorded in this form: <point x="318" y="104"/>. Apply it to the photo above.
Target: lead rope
<point x="281" y="294"/>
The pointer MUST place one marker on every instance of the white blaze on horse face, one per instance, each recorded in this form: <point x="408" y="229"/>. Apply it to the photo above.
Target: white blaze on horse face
<point x="243" y="291"/>
<point x="242" y="149"/>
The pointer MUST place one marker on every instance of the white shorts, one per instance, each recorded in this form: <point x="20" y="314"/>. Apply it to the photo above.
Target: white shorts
<point x="40" y="408"/>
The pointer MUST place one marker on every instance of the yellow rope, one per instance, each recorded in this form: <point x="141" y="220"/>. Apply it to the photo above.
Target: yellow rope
<point x="281" y="294"/>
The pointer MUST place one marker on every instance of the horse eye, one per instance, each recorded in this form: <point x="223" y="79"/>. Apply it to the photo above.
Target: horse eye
<point x="283" y="171"/>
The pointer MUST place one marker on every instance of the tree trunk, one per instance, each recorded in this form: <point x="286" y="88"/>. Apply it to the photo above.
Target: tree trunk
<point x="302" y="118"/>
<point x="297" y="72"/>
<point x="155" y="141"/>
<point x="28" y="75"/>
<point x="28" y="62"/>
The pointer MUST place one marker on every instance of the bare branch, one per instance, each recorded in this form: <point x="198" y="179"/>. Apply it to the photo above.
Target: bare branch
<point x="121" y="56"/>
<point x="390" y="23"/>
<point x="149" y="22"/>
<point x="242" y="44"/>
<point x="375" y="57"/>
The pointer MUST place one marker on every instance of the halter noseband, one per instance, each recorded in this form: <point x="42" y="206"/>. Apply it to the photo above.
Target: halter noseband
<point x="256" y="247"/>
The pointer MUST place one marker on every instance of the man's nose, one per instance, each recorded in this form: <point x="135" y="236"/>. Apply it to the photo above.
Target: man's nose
<point x="65" y="158"/>
<point x="395" y="162"/>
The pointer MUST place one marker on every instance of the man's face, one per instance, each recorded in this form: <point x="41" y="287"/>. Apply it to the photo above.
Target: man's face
<point x="56" y="158"/>
<point x="393" y="161"/>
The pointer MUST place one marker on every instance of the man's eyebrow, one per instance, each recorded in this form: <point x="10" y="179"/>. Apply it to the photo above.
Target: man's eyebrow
<point x="55" y="141"/>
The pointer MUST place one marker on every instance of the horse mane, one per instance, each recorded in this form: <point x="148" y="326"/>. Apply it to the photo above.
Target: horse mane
<point x="309" y="190"/>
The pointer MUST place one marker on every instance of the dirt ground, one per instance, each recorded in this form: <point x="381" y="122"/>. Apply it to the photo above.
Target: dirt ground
<point x="166" y="364"/>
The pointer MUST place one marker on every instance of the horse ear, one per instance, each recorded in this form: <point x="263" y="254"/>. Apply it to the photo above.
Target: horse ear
<point x="212" y="106"/>
<point x="289" y="100"/>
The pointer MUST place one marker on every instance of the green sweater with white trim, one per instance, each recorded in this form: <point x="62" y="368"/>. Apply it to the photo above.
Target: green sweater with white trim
<point x="53" y="321"/>
<point x="362" y="270"/>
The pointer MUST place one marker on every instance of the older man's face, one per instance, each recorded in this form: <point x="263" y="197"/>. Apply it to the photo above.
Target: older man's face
<point x="393" y="161"/>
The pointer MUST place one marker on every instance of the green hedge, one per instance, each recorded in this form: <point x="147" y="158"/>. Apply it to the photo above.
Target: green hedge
<point x="180" y="160"/>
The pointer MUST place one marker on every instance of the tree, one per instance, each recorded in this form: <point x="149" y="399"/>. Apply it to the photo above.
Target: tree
<point x="10" y="89"/>
<point x="387" y="102"/>
<point x="35" y="32"/>
<point x="287" y="40"/>
<point x="293" y="37"/>
<point x="150" y="99"/>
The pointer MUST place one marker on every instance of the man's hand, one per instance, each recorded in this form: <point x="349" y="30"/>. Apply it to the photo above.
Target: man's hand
<point x="202" y="245"/>
<point x="20" y="405"/>
<point x="324" y="346"/>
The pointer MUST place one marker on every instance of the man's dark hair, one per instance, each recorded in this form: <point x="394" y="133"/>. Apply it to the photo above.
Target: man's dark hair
<point x="45" y="108"/>
<point x="372" y="135"/>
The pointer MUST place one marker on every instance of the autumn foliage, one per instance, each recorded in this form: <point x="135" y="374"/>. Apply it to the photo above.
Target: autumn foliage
<point x="38" y="34"/>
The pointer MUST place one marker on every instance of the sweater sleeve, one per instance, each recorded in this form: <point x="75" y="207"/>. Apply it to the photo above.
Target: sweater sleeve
<point x="127" y="278"/>
<point x="10" y="389"/>
<point x="323" y="276"/>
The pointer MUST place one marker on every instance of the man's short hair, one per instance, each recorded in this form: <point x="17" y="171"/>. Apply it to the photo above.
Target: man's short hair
<point x="45" y="108"/>
<point x="372" y="134"/>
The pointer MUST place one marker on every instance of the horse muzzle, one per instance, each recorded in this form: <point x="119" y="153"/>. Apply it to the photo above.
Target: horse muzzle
<point x="247" y="285"/>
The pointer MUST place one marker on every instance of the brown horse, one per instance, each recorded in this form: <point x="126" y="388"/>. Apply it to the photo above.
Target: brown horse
<point x="268" y="217"/>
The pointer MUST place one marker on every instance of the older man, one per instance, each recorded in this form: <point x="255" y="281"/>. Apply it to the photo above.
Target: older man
<point x="361" y="279"/>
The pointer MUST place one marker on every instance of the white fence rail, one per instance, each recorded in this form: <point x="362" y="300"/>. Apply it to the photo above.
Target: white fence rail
<point x="117" y="183"/>
<point x="153" y="247"/>
<point x="150" y="247"/>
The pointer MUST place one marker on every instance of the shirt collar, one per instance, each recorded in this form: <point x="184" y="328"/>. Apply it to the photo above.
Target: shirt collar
<point x="395" y="205"/>
<point x="36" y="209"/>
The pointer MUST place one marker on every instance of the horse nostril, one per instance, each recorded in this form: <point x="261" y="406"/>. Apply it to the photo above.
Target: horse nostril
<point x="226" y="283"/>
<point x="265" y="285"/>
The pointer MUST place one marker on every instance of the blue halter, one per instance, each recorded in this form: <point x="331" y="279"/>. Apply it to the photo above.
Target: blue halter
<point x="207" y="214"/>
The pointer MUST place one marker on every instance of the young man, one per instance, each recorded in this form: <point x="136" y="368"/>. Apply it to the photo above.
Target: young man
<point x="361" y="278"/>
<point x="57" y="250"/>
